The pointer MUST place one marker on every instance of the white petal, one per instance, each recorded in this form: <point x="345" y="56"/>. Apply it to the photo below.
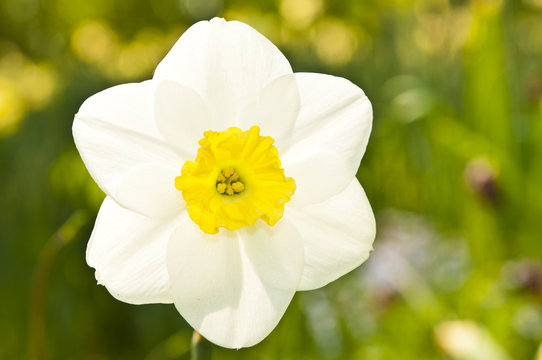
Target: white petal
<point x="127" y="106"/>
<point x="227" y="63"/>
<point x="114" y="132"/>
<point x="235" y="286"/>
<point x="317" y="177"/>
<point x="150" y="190"/>
<point x="335" y="117"/>
<point x="181" y="116"/>
<point x="275" y="110"/>
<point x="337" y="234"/>
<point x="128" y="252"/>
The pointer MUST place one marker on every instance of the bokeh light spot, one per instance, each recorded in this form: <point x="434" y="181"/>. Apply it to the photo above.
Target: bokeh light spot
<point x="335" y="43"/>
<point x="300" y="13"/>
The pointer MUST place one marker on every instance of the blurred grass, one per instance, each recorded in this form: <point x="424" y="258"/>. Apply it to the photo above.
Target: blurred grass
<point x="452" y="170"/>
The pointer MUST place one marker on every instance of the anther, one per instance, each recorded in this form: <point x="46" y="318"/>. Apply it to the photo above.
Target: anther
<point x="221" y="188"/>
<point x="228" y="182"/>
<point x="229" y="190"/>
<point x="238" y="186"/>
<point x="227" y="172"/>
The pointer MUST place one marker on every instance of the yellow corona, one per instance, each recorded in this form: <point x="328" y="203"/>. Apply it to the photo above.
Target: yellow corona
<point x="235" y="180"/>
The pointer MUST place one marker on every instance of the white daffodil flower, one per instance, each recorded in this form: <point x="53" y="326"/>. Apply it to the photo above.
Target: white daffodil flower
<point x="230" y="182"/>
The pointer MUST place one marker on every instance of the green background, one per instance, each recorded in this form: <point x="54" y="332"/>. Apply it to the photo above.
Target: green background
<point x="453" y="171"/>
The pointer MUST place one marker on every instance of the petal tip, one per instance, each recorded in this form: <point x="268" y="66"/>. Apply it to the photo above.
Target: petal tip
<point x="218" y="20"/>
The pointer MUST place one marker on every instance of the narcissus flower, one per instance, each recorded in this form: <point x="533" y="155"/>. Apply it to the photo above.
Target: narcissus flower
<point x="230" y="182"/>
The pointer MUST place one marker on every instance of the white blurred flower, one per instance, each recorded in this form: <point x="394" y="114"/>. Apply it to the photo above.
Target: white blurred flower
<point x="220" y="238"/>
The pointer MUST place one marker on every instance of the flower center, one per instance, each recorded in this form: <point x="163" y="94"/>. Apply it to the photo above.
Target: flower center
<point x="235" y="180"/>
<point x="228" y="182"/>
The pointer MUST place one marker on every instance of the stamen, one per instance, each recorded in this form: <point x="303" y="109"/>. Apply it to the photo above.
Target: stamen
<point x="221" y="188"/>
<point x="238" y="186"/>
<point x="227" y="172"/>
<point x="229" y="190"/>
<point x="228" y="183"/>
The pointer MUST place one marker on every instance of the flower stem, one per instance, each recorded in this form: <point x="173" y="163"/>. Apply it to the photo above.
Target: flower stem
<point x="44" y="264"/>
<point x="200" y="348"/>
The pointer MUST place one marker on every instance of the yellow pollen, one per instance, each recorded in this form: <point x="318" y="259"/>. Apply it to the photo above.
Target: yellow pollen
<point x="226" y="180"/>
<point x="221" y="188"/>
<point x="238" y="186"/>
<point x="227" y="172"/>
<point x="235" y="180"/>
